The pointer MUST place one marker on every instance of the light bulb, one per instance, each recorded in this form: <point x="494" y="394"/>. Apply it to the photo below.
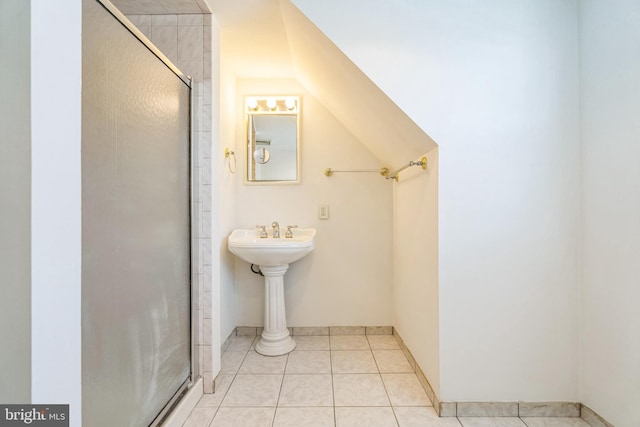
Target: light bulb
<point x="252" y="103"/>
<point x="271" y="103"/>
<point x="290" y="103"/>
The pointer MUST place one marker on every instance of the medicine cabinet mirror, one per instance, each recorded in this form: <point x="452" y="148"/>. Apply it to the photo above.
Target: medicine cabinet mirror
<point x="273" y="143"/>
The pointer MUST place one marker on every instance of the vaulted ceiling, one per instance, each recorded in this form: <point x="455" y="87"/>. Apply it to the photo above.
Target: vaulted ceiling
<point x="273" y="39"/>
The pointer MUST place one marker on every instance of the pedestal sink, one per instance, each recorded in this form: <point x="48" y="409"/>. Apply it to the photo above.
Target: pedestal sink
<point x="273" y="255"/>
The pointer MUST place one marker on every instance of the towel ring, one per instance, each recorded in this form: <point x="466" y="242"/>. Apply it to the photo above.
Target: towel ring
<point x="229" y="155"/>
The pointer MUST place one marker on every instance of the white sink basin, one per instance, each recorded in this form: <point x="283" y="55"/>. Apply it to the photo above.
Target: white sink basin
<point x="247" y="244"/>
<point x="273" y="256"/>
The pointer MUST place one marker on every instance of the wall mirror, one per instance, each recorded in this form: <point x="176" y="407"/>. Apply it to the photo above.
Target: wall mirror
<point x="273" y="143"/>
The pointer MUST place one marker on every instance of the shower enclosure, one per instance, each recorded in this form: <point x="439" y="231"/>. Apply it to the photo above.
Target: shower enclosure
<point x="136" y="292"/>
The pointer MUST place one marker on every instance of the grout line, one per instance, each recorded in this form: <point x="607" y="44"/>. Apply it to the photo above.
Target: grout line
<point x="286" y="362"/>
<point x="393" y="411"/>
<point x="331" y="372"/>
<point x="228" y="388"/>
<point x="376" y="362"/>
<point x="214" y="414"/>
<point x="385" y="386"/>
<point x="333" y="389"/>
<point x="273" y="420"/>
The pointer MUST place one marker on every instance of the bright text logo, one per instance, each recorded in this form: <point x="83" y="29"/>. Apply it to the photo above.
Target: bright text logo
<point x="34" y="415"/>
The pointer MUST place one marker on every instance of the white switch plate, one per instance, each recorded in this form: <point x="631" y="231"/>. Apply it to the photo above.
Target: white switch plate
<point x="323" y="212"/>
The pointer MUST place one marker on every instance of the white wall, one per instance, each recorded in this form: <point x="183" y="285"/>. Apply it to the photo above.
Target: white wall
<point x="494" y="84"/>
<point x="415" y="265"/>
<point x="56" y="51"/>
<point x="347" y="279"/>
<point x="610" y="102"/>
<point x="15" y="205"/>
<point x="343" y="89"/>
<point x="225" y="137"/>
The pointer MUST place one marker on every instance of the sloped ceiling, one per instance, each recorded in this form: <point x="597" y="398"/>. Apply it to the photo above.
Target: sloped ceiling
<point x="272" y="39"/>
<point x="330" y="76"/>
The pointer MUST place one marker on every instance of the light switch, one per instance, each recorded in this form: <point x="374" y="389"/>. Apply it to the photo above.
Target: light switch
<point x="323" y="212"/>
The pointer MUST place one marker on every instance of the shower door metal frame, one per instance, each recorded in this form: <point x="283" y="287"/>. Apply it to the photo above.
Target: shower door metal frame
<point x="194" y="368"/>
<point x="144" y="40"/>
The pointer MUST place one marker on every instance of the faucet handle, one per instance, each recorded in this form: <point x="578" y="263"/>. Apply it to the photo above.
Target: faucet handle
<point x="289" y="233"/>
<point x="263" y="231"/>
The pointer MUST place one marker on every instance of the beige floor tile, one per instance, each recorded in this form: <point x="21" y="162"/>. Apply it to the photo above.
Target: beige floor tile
<point x="240" y="342"/>
<point x="253" y="390"/>
<point x="383" y="342"/>
<point x="359" y="390"/>
<point x="253" y="344"/>
<point x="365" y="417"/>
<point x="222" y="382"/>
<point x="309" y="362"/>
<point x="222" y="386"/>
<point x="392" y="361"/>
<point x="425" y="416"/>
<point x="405" y="390"/>
<point x="491" y="422"/>
<point x="243" y="417"/>
<point x="554" y="422"/>
<point x="353" y="362"/>
<point x="256" y="363"/>
<point x="304" y="417"/>
<point x="311" y="342"/>
<point x="200" y="417"/>
<point x="349" y="342"/>
<point x="231" y="361"/>
<point x="306" y="390"/>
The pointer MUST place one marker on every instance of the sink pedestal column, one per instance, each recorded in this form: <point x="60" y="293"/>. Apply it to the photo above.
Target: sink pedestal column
<point x="276" y="339"/>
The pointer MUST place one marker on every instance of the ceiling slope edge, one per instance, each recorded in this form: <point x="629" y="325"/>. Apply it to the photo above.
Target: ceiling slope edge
<point x="348" y="93"/>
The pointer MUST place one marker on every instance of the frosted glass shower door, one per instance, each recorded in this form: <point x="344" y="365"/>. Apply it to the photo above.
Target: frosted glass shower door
<point x="136" y="329"/>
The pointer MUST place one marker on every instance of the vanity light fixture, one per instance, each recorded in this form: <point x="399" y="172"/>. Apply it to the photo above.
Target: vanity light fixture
<point x="272" y="104"/>
<point x="252" y="104"/>
<point x="290" y="103"/>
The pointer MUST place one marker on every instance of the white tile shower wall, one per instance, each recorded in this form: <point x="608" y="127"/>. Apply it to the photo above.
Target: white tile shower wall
<point x="133" y="7"/>
<point x="186" y="41"/>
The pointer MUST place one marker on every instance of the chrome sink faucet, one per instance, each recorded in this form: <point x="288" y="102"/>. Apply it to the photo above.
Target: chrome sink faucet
<point x="276" y="230"/>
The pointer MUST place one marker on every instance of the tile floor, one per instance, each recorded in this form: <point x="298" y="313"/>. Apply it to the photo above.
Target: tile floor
<point x="330" y="381"/>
